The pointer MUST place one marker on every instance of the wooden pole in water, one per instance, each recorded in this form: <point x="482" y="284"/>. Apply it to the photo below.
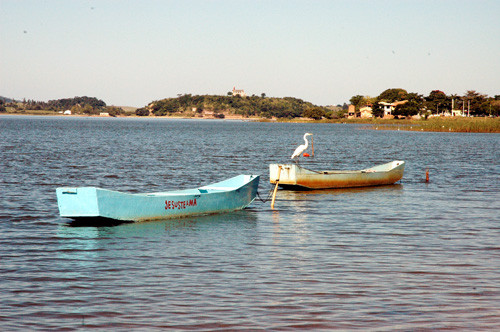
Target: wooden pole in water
<point x="276" y="187"/>
<point x="312" y="145"/>
<point x="426" y="175"/>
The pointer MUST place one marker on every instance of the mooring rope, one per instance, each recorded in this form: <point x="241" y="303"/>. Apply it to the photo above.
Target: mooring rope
<point x="269" y="195"/>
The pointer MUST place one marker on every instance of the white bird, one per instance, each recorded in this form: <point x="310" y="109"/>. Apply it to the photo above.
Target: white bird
<point x="301" y="148"/>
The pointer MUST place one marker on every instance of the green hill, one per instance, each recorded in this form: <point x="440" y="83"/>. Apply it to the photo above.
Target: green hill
<point x="261" y="106"/>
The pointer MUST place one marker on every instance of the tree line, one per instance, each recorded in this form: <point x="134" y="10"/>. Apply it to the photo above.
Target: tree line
<point x="261" y="106"/>
<point x="437" y="102"/>
<point x="77" y="105"/>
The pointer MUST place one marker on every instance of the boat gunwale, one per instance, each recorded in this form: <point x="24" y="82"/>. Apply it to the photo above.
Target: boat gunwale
<point x="361" y="171"/>
<point x="203" y="190"/>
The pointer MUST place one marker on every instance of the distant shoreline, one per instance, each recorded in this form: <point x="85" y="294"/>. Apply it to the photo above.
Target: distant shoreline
<point x="133" y="116"/>
<point x="439" y="124"/>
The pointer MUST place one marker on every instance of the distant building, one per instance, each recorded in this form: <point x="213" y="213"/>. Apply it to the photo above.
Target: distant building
<point x="208" y="113"/>
<point x="240" y="93"/>
<point x="389" y="107"/>
<point x="351" y="112"/>
<point x="104" y="114"/>
<point x="67" y="112"/>
<point x="366" y="112"/>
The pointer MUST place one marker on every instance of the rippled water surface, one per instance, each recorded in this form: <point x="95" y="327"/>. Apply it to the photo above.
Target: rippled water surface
<point x="409" y="256"/>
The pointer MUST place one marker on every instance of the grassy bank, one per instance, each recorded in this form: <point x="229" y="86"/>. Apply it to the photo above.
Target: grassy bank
<point x="455" y="124"/>
<point x="442" y="124"/>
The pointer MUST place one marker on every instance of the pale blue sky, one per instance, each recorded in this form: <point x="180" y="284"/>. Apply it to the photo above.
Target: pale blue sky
<point x="130" y="53"/>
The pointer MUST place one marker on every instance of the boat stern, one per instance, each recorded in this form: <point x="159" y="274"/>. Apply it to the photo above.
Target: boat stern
<point x="394" y="170"/>
<point x="245" y="189"/>
<point x="77" y="202"/>
<point x="287" y="174"/>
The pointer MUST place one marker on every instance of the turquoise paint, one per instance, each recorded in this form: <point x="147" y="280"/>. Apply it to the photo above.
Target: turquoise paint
<point x="232" y="194"/>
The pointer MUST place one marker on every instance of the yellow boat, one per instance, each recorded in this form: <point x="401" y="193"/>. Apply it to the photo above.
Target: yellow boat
<point x="293" y="176"/>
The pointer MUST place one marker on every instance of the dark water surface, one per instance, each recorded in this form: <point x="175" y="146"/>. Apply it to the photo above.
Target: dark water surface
<point x="412" y="256"/>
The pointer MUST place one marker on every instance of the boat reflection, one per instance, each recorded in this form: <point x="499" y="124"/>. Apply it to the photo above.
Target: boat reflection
<point x="284" y="194"/>
<point x="112" y="227"/>
<point x="303" y="204"/>
<point x="96" y="222"/>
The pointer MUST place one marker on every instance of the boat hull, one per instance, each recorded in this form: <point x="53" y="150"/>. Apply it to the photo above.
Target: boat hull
<point x="87" y="203"/>
<point x="293" y="176"/>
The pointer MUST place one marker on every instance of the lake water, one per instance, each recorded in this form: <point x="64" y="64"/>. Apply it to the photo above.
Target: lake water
<point x="411" y="256"/>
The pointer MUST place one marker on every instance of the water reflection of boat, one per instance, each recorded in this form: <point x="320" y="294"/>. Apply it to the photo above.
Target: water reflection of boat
<point x="309" y="194"/>
<point x="237" y="220"/>
<point x="292" y="176"/>
<point x="94" y="205"/>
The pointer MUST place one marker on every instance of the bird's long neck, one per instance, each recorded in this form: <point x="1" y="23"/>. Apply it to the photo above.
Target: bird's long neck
<point x="307" y="142"/>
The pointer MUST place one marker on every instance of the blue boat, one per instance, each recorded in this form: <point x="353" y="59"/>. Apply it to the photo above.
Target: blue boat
<point x="91" y="203"/>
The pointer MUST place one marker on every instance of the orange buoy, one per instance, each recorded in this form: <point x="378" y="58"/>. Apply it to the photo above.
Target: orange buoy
<point x="306" y="154"/>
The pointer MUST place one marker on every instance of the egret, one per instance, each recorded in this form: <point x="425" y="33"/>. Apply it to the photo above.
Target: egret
<point x="301" y="148"/>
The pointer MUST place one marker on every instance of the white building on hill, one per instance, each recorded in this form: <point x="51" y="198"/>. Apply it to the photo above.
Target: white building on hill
<point x="240" y="93"/>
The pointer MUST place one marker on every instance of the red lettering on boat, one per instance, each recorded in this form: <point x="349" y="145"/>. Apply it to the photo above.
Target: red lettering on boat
<point x="172" y="205"/>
